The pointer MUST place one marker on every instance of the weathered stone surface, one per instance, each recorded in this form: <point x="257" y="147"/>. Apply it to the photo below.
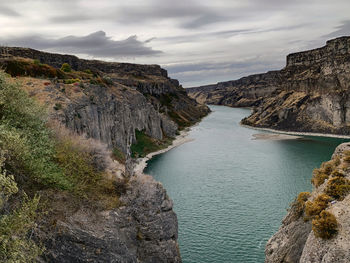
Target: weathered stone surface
<point x="143" y="230"/>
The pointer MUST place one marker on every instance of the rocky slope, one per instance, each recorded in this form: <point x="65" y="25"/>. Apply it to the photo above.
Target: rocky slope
<point x="109" y="103"/>
<point x="143" y="229"/>
<point x="310" y="94"/>
<point x="295" y="241"/>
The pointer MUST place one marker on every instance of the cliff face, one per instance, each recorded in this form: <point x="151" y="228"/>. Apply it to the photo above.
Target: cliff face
<point x="107" y="102"/>
<point x="144" y="229"/>
<point x="296" y="242"/>
<point x="309" y="94"/>
<point x="133" y="97"/>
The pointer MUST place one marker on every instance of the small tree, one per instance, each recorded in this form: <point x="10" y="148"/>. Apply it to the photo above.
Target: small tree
<point x="66" y="67"/>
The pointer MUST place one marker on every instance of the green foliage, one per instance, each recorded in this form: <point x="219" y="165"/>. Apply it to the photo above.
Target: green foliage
<point x="325" y="225"/>
<point x="88" y="71"/>
<point x="26" y="140"/>
<point x="77" y="165"/>
<point x="145" y="144"/>
<point x="338" y="187"/>
<point x="71" y="81"/>
<point x="66" y="67"/>
<point x="15" y="246"/>
<point x="8" y="185"/>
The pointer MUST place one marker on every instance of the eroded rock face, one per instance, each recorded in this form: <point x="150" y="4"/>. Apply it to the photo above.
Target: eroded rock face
<point x="143" y="230"/>
<point x="296" y="242"/>
<point x="310" y="94"/>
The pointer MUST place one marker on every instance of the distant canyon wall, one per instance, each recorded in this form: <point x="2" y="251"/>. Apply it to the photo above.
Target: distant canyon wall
<point x="309" y="94"/>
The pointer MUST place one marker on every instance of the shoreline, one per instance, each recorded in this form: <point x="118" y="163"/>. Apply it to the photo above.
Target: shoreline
<point x="141" y="163"/>
<point x="326" y="135"/>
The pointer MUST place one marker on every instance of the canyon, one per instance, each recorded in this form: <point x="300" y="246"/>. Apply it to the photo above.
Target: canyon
<point x="310" y="94"/>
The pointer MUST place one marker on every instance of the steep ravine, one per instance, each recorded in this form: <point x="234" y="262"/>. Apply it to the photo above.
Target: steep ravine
<point x="308" y="95"/>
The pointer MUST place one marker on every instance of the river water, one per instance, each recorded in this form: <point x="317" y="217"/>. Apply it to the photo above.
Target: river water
<point x="230" y="191"/>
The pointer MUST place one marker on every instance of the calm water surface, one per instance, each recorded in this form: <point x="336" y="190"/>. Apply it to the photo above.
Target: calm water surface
<point x="231" y="192"/>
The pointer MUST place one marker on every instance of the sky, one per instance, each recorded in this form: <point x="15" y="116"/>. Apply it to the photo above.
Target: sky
<point x="198" y="42"/>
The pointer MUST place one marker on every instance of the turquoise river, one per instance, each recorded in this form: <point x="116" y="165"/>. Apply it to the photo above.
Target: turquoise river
<point x="230" y="191"/>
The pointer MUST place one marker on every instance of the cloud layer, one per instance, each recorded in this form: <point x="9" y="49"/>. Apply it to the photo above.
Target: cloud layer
<point x="96" y="44"/>
<point x="199" y="42"/>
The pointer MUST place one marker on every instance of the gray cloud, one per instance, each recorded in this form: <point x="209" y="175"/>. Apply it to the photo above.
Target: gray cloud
<point x="342" y="30"/>
<point x="8" y="11"/>
<point x="96" y="44"/>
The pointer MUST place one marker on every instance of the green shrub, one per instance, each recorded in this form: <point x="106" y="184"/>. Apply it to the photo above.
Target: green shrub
<point x="71" y="81"/>
<point x="15" y="246"/>
<point x="66" y="67"/>
<point x="338" y="187"/>
<point x="314" y="208"/>
<point x="325" y="225"/>
<point x="76" y="164"/>
<point x="26" y="140"/>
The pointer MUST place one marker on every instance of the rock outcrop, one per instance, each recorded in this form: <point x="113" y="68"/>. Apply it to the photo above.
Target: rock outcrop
<point x="295" y="242"/>
<point x="310" y="94"/>
<point x="143" y="229"/>
<point x="131" y="97"/>
<point x="108" y="102"/>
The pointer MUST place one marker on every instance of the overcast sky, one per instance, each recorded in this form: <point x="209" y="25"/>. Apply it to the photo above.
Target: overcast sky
<point x="198" y="42"/>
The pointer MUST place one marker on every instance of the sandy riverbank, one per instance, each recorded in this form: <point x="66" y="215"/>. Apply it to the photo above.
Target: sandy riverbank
<point x="299" y="133"/>
<point x="141" y="163"/>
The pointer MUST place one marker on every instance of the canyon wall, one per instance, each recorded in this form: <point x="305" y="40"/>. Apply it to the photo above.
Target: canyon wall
<point x="309" y="94"/>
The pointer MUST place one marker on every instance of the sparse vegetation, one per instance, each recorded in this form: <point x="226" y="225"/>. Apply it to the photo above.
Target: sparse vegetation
<point x="325" y="225"/>
<point x="71" y="81"/>
<point x="66" y="67"/>
<point x="321" y="174"/>
<point x="338" y="187"/>
<point x="300" y="201"/>
<point x="314" y="208"/>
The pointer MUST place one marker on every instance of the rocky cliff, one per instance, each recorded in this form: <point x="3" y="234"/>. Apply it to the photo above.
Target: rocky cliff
<point x="310" y="94"/>
<point x="109" y="102"/>
<point x="112" y="217"/>
<point x="303" y="237"/>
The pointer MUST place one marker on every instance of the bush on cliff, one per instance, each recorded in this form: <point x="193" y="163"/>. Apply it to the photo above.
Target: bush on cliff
<point x="321" y="174"/>
<point x="66" y="67"/>
<point x="16" y="222"/>
<point x="314" y="208"/>
<point x="300" y="202"/>
<point x="338" y="187"/>
<point x="325" y="225"/>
